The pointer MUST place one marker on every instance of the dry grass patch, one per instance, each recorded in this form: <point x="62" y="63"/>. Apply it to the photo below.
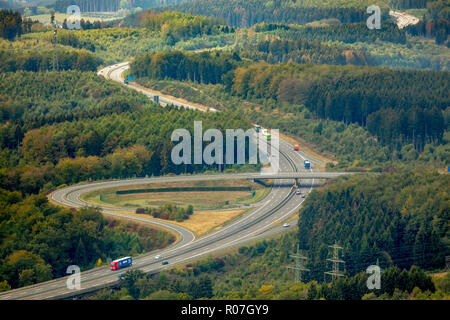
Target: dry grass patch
<point x="201" y="222"/>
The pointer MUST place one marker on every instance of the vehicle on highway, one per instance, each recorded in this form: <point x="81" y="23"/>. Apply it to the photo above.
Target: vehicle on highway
<point x="307" y="164"/>
<point x="296" y="147"/>
<point x="286" y="225"/>
<point x="266" y="134"/>
<point x="165" y="263"/>
<point x="298" y="192"/>
<point x="120" y="275"/>
<point x="158" y="257"/>
<point x="257" y="128"/>
<point x="121" y="263"/>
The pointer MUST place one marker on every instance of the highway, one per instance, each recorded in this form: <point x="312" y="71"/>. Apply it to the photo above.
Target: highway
<point x="265" y="219"/>
<point x="115" y="73"/>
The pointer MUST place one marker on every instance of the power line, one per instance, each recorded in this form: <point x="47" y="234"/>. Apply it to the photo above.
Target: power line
<point x="300" y="262"/>
<point x="335" y="273"/>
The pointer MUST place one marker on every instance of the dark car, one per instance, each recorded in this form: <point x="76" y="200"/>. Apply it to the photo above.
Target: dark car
<point x="165" y="262"/>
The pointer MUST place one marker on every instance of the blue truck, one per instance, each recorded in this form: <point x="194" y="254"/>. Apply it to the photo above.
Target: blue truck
<point x="307" y="164"/>
<point x="121" y="263"/>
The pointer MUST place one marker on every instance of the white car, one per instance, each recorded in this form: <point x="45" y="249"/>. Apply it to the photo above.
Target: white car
<point x="158" y="257"/>
<point x="286" y="225"/>
<point x="298" y="192"/>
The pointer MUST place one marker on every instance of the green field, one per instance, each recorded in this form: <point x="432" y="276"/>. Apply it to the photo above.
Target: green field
<point x="200" y="200"/>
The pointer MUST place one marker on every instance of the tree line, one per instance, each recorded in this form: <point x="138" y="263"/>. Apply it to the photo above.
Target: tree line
<point x="205" y="67"/>
<point x="12" y="25"/>
<point x="245" y="13"/>
<point x="346" y="32"/>
<point x="437" y="29"/>
<point x="88" y="5"/>
<point x="175" y="26"/>
<point x="39" y="61"/>
<point x="409" y="4"/>
<point x="416" y="96"/>
<point x="414" y="126"/>
<point x="302" y="52"/>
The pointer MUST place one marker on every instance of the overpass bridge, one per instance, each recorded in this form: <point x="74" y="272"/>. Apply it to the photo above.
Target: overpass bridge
<point x="294" y="175"/>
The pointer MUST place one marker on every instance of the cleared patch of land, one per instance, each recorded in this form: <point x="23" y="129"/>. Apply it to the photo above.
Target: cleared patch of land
<point x="60" y="17"/>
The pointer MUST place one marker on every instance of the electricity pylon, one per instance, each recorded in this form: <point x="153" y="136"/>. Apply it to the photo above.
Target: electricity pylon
<point x="335" y="273"/>
<point x="300" y="262"/>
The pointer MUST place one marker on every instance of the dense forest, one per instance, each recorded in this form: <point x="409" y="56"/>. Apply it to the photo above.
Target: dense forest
<point x="439" y="9"/>
<point x="176" y="25"/>
<point x="204" y="67"/>
<point x="12" y="61"/>
<point x="245" y="13"/>
<point x="12" y="26"/>
<point x="398" y="218"/>
<point x="67" y="131"/>
<point x="154" y="3"/>
<point x="408" y="4"/>
<point x="88" y="5"/>
<point x="347" y="33"/>
<point x="302" y="52"/>
<point x="111" y="5"/>
<point x="437" y="29"/>
<point x="342" y="94"/>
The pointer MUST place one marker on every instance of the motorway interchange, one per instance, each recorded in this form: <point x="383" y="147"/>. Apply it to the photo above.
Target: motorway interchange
<point x="264" y="220"/>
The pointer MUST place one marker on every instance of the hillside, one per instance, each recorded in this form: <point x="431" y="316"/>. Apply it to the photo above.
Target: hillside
<point x="245" y="13"/>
